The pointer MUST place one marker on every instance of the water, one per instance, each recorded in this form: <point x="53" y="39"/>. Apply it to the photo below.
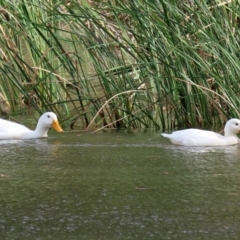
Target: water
<point x="117" y="185"/>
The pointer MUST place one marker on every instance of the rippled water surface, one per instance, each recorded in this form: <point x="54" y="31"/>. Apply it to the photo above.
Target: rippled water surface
<point x="117" y="185"/>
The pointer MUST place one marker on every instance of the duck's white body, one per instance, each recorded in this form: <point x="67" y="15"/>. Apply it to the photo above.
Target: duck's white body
<point x="197" y="137"/>
<point x="12" y="130"/>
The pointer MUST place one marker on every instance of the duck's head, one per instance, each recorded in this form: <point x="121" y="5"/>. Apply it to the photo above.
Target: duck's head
<point x="48" y="120"/>
<point x="232" y="127"/>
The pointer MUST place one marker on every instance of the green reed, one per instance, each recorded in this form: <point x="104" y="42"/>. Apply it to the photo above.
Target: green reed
<point x="122" y="64"/>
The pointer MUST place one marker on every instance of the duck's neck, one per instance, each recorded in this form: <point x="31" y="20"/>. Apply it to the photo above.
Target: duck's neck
<point x="41" y="130"/>
<point x="227" y="133"/>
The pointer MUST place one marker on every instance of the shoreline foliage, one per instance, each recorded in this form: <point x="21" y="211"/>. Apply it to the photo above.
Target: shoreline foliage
<point x="121" y="64"/>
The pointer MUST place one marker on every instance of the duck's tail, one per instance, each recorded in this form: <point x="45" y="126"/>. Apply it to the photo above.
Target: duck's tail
<point x="166" y="135"/>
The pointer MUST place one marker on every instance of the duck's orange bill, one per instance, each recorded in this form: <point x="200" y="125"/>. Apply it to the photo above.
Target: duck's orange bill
<point x="56" y="126"/>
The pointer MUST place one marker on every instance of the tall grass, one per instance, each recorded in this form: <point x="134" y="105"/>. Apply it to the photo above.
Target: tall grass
<point x="122" y="64"/>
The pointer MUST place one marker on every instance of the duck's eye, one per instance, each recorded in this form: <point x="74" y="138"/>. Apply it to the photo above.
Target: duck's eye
<point x="48" y="116"/>
<point x="236" y="124"/>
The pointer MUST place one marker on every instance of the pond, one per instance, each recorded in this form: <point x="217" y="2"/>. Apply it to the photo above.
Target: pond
<point x="117" y="185"/>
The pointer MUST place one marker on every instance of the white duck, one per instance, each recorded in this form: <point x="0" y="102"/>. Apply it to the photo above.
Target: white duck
<point x="197" y="137"/>
<point x="12" y="130"/>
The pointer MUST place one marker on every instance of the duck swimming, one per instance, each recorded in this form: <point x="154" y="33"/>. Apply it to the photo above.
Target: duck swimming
<point x="198" y="137"/>
<point x="12" y="130"/>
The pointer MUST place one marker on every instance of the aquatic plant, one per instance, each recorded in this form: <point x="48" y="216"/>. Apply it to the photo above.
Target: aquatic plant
<point x="122" y="64"/>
